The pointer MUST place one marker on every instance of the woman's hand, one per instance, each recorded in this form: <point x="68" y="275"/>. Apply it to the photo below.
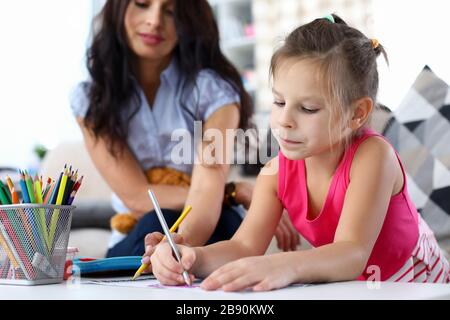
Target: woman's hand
<point x="167" y="269"/>
<point x="151" y="241"/>
<point x="287" y="236"/>
<point x="244" y="192"/>
<point x="262" y="273"/>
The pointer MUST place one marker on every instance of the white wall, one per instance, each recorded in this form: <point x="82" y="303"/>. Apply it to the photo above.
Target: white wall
<point x="42" y="52"/>
<point x="415" y="33"/>
<point x="43" y="45"/>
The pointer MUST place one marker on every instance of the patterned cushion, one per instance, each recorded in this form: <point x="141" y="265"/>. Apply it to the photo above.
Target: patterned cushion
<point x="420" y="132"/>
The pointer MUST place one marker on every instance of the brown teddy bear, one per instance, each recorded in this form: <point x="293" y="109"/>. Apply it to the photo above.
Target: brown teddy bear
<point x="125" y="222"/>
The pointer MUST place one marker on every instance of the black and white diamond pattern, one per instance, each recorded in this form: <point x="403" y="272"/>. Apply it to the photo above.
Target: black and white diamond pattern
<point x="420" y="132"/>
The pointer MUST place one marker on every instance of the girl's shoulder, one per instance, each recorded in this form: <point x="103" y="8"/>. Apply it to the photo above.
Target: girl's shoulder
<point x="369" y="143"/>
<point x="373" y="152"/>
<point x="373" y="144"/>
<point x="272" y="165"/>
<point x="269" y="173"/>
<point x="270" y="169"/>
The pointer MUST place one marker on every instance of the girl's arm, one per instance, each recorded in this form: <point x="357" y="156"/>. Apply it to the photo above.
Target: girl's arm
<point x="209" y="177"/>
<point x="126" y="178"/>
<point x="374" y="177"/>
<point x="254" y="235"/>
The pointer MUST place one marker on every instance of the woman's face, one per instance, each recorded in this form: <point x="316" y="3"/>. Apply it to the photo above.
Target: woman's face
<point x="150" y="28"/>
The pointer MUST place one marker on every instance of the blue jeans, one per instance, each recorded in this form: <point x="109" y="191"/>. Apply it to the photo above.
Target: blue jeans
<point x="133" y="244"/>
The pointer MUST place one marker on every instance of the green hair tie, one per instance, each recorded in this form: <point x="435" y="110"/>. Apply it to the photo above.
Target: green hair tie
<point x="330" y="18"/>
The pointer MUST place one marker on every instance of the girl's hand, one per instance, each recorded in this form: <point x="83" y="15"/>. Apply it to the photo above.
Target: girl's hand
<point x="151" y="241"/>
<point x="287" y="236"/>
<point x="262" y="273"/>
<point x="167" y="269"/>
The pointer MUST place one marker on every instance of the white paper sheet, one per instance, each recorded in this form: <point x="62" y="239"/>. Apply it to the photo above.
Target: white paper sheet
<point x="147" y="282"/>
<point x="142" y="282"/>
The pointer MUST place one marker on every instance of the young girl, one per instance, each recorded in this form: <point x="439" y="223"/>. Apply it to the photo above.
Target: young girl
<point x="342" y="184"/>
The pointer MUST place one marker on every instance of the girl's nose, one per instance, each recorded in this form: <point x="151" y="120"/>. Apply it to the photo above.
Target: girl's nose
<point x="285" y="118"/>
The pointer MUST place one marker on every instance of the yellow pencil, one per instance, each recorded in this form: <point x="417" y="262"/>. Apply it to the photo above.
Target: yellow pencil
<point x="55" y="214"/>
<point x="62" y="188"/>
<point x="172" y="229"/>
<point x="38" y="191"/>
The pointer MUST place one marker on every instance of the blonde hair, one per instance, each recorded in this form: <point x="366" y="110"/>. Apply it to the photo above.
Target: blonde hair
<point x="346" y="60"/>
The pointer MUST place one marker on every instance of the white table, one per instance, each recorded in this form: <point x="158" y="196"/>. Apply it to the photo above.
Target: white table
<point x="343" y="290"/>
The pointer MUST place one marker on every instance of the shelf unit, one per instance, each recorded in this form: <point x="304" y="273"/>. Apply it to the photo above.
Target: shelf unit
<point x="237" y="34"/>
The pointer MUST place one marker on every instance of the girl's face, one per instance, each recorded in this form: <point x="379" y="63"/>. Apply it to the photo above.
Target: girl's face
<point x="300" y="118"/>
<point x="150" y="28"/>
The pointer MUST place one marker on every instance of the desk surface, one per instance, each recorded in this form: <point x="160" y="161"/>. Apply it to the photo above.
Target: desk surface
<point x="343" y="290"/>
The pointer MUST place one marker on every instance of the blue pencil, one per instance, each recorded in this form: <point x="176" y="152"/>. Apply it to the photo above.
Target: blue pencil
<point x="55" y="191"/>
<point x="23" y="187"/>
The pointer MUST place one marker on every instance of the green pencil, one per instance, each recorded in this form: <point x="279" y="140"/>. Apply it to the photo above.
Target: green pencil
<point x="5" y="193"/>
<point x="3" y="196"/>
<point x="30" y="188"/>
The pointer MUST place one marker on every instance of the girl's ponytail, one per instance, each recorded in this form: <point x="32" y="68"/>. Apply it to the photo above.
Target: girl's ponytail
<point x="379" y="49"/>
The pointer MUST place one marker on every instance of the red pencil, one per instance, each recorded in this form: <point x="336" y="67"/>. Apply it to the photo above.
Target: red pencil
<point x="74" y="191"/>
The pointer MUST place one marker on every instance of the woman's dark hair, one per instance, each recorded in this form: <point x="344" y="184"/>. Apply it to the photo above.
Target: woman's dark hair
<point x="109" y="64"/>
<point x="345" y="56"/>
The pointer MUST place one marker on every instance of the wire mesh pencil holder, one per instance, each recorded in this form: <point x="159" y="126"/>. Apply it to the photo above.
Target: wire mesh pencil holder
<point x="33" y="243"/>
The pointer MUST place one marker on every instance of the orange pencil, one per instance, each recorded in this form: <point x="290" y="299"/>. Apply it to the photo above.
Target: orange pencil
<point x="49" y="193"/>
<point x="14" y="195"/>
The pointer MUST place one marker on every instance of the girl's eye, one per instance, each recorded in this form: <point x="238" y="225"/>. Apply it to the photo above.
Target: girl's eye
<point x="279" y="104"/>
<point x="307" y="110"/>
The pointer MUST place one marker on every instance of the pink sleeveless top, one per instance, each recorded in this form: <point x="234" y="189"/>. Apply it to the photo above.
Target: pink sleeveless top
<point x="400" y="231"/>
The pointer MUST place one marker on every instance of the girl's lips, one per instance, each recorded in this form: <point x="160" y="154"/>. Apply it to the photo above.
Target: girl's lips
<point x="151" y="39"/>
<point x="287" y="141"/>
<point x="289" y="144"/>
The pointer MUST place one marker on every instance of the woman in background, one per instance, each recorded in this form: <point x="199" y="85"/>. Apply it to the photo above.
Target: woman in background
<point x="156" y="66"/>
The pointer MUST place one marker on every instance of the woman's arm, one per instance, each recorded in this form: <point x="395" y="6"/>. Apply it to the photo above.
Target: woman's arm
<point x="209" y="176"/>
<point x="126" y="178"/>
